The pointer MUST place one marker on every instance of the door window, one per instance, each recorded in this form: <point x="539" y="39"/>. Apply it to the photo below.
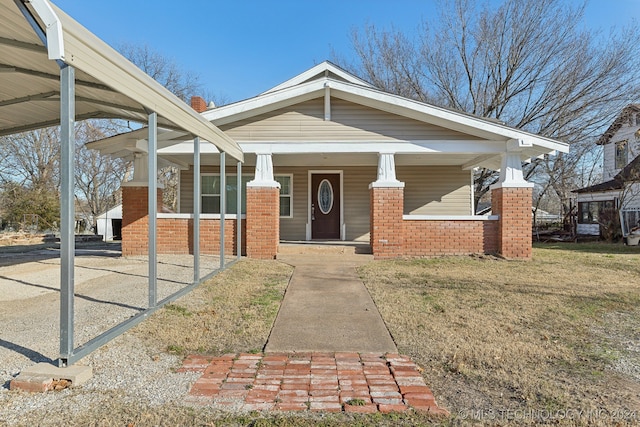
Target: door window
<point x="325" y="196"/>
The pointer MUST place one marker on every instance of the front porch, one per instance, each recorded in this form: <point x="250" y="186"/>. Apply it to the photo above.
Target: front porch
<point x="371" y="207"/>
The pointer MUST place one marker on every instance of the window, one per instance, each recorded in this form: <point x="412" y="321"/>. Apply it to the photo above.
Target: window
<point x="594" y="212"/>
<point x="286" y="195"/>
<point x="210" y="188"/>
<point x="622" y="154"/>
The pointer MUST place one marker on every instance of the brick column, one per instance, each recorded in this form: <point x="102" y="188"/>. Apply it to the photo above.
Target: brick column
<point x="263" y="222"/>
<point x="135" y="219"/>
<point x="513" y="205"/>
<point x="387" y="206"/>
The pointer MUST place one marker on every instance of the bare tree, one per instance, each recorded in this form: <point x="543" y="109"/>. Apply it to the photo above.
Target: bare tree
<point x="164" y="70"/>
<point x="528" y="63"/>
<point x="98" y="177"/>
<point x="32" y="159"/>
<point x="183" y="84"/>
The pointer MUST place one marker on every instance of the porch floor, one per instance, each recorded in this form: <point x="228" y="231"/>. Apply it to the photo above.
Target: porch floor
<point x="335" y="247"/>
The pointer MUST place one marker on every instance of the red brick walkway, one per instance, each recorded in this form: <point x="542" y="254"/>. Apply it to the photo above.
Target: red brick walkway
<point x="331" y="382"/>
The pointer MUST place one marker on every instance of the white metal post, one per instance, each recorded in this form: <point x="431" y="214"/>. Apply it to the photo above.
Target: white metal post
<point x="153" y="210"/>
<point x="196" y="209"/>
<point x="67" y="211"/>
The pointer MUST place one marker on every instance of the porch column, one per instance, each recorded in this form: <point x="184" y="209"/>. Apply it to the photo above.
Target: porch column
<point x="135" y="212"/>
<point x="263" y="211"/>
<point x="511" y="200"/>
<point x="387" y="208"/>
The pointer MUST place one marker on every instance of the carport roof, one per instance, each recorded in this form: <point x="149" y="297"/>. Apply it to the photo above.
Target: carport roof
<point x="107" y="85"/>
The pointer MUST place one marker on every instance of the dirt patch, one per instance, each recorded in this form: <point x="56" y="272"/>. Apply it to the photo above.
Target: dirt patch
<point x="521" y="342"/>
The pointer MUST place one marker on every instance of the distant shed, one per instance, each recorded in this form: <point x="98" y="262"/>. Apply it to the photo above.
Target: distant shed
<point x="110" y="224"/>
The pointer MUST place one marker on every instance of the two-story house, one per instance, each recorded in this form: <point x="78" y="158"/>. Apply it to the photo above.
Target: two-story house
<point x="619" y="192"/>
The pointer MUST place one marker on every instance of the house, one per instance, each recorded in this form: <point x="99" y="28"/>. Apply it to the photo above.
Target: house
<point x="599" y="204"/>
<point x="330" y="157"/>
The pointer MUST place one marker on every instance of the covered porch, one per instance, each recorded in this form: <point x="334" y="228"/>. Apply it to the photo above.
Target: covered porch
<point x="403" y="199"/>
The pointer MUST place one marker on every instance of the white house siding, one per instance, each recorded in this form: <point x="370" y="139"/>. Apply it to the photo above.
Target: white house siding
<point x="625" y="132"/>
<point x="349" y="122"/>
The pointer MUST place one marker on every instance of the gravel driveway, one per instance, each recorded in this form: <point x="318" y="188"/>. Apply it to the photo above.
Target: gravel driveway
<point x="109" y="289"/>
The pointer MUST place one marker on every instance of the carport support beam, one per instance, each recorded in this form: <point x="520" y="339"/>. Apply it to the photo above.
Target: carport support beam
<point x="153" y="208"/>
<point x="196" y="209"/>
<point x="223" y="203"/>
<point x="67" y="211"/>
<point x="239" y="213"/>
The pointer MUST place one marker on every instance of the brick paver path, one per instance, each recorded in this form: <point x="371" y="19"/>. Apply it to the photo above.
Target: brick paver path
<point x="331" y="382"/>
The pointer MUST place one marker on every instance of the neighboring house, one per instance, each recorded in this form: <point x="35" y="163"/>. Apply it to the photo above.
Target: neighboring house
<point x="620" y="190"/>
<point x="330" y="157"/>
<point x="109" y="224"/>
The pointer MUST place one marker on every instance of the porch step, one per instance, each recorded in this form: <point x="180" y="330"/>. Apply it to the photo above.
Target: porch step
<point x="329" y="248"/>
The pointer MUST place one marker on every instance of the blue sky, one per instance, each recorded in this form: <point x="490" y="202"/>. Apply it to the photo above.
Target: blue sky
<point x="240" y="48"/>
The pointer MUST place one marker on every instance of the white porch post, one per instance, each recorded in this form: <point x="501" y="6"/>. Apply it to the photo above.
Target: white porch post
<point x="264" y="172"/>
<point x="141" y="168"/>
<point x="511" y="167"/>
<point x="387" y="172"/>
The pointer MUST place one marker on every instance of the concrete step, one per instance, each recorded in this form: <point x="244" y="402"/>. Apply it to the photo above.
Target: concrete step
<point x="328" y="248"/>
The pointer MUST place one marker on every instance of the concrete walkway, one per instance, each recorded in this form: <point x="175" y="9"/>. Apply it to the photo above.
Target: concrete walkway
<point x="328" y="351"/>
<point x="328" y="309"/>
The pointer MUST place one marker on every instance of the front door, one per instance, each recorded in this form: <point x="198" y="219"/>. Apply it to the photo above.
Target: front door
<point x="325" y="206"/>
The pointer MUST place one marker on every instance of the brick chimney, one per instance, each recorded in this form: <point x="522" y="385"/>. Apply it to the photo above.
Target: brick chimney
<point x="198" y="104"/>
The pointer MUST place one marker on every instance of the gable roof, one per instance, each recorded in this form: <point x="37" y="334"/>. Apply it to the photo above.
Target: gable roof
<point x="618" y="122"/>
<point x="324" y="69"/>
<point x="36" y="38"/>
<point x="326" y="79"/>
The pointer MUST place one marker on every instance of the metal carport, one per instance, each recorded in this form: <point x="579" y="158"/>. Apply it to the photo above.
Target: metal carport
<point x="53" y="71"/>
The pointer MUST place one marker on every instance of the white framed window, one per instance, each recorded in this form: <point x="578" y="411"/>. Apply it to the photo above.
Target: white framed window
<point x="210" y="190"/>
<point x="622" y="154"/>
<point x="286" y="195"/>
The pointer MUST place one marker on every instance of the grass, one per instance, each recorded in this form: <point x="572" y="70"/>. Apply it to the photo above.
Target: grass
<point x="499" y="337"/>
<point x="501" y="343"/>
<point x="232" y="312"/>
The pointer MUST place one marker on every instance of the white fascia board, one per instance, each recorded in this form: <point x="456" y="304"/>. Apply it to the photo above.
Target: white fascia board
<point x="439" y="116"/>
<point x="423" y="147"/>
<point x="597" y="196"/>
<point x="314" y="71"/>
<point x="186" y="147"/>
<point x="410" y="147"/>
<point x="265" y="103"/>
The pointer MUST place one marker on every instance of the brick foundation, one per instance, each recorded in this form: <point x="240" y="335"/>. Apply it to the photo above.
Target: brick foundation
<point x="513" y="205"/>
<point x="387" y="235"/>
<point x="450" y="237"/>
<point x="263" y="222"/>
